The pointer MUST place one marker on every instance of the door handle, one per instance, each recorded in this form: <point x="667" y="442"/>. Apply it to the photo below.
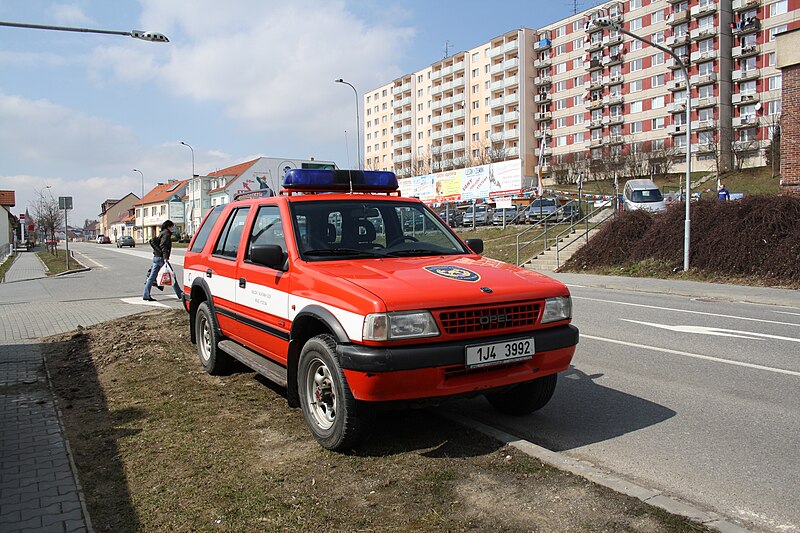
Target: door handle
<point x="209" y="272"/>
<point x="242" y="283"/>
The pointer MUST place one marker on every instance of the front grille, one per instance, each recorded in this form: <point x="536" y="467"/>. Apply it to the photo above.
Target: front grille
<point x="484" y="319"/>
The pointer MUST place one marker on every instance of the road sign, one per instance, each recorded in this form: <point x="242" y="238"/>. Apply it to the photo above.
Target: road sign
<point x="65" y="202"/>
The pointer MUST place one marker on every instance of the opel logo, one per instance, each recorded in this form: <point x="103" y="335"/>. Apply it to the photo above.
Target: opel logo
<point x="487" y="290"/>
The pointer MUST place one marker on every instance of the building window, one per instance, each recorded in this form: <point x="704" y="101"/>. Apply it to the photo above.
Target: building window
<point x="577" y="138"/>
<point x="561" y="49"/>
<point x="561" y="68"/>
<point x="635" y="45"/>
<point x="561" y="122"/>
<point x="634" y="4"/>
<point x="657" y="80"/>
<point x="776" y="30"/>
<point x="561" y="140"/>
<point x="635" y="86"/>
<point x="636" y="107"/>
<point x="658" y="123"/>
<point x="657" y="102"/>
<point x="577" y="44"/>
<point x="475" y="56"/>
<point x="577" y="119"/>
<point x="774" y="107"/>
<point x="636" y="24"/>
<point x="657" y="16"/>
<point x="775" y="83"/>
<point x="636" y="127"/>
<point x="778" y="8"/>
<point x="636" y="65"/>
<point x="658" y="59"/>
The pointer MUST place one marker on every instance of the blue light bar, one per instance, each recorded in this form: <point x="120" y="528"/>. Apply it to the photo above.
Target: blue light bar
<point x="339" y="180"/>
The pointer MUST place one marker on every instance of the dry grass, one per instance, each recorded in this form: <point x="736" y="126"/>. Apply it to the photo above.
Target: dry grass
<point x="56" y="263"/>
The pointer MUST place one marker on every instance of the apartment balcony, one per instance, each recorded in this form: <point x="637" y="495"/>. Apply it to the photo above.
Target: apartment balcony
<point x="540" y="133"/>
<point x="401" y="131"/>
<point x="745" y="121"/>
<point x="510" y="80"/>
<point x="595" y="44"/>
<point x="400" y="89"/>
<point x="611" y="40"/>
<point x="613" y="99"/>
<point x="614" y="59"/>
<point x="436" y="74"/>
<point x="437" y="134"/>
<point x="541" y="45"/>
<point x="676" y="107"/>
<point x="497" y="102"/>
<point x="453" y="147"/>
<point x="511" y="134"/>
<point x="401" y="144"/>
<point x="594" y="103"/>
<point x="402" y="158"/>
<point x="593" y="64"/>
<point x="745" y="75"/>
<point x="545" y="151"/>
<point x="542" y="63"/>
<point x="513" y="151"/>
<point x="596" y="123"/>
<point x="593" y="143"/>
<point x="676" y="129"/>
<point x="743" y="27"/>
<point x="496" y="119"/>
<point x="673" y="65"/>
<point x="613" y="120"/>
<point x="677" y="40"/>
<point x="446" y="117"/>
<point x="511" y="46"/>
<point x="400" y="103"/>
<point x="743" y="5"/>
<point x="496" y="50"/>
<point x="739" y="52"/>
<point x="496" y="85"/>
<point x="704" y="148"/>
<point x="402" y="116"/>
<point x="542" y="98"/>
<point x="614" y="139"/>
<point x="542" y="80"/>
<point x="676" y="85"/>
<point x="497" y="67"/>
<point x="458" y="130"/>
<point x="746" y="98"/>
<point x="511" y="98"/>
<point x="700" y="11"/>
<point x="704" y="125"/>
<point x="703" y="33"/>
<point x="673" y="19"/>
<point x="543" y="116"/>
<point x="703" y="79"/>
<point x="705" y="55"/>
<point x="701" y="103"/>
<point x="592" y="85"/>
<point x="613" y="80"/>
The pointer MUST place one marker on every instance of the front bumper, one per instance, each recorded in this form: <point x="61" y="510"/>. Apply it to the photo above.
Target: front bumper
<point x="437" y="369"/>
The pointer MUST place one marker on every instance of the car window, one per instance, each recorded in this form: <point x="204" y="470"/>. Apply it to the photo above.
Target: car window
<point x="205" y="229"/>
<point x="646" y="195"/>
<point x="231" y="236"/>
<point x="267" y="229"/>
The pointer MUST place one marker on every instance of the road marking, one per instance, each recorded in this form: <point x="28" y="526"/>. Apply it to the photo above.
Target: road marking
<point x="786" y="313"/>
<point x="139" y="301"/>
<point x="694" y="355"/>
<point x="89" y="259"/>
<point x="720" y="332"/>
<point x="573" y="286"/>
<point x="687" y="311"/>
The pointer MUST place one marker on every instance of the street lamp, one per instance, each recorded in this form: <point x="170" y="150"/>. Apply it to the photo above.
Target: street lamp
<point x="136" y="34"/>
<point x="192" y="149"/>
<point x="141" y="200"/>
<point x="358" y="122"/>
<point x="606" y="22"/>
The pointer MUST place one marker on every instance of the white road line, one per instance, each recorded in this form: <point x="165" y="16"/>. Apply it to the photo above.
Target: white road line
<point x="694" y="355"/>
<point x="138" y="301"/>
<point x="686" y="311"/>
<point x="721" y="332"/>
<point x="573" y="286"/>
<point x="786" y="313"/>
<point x="89" y="259"/>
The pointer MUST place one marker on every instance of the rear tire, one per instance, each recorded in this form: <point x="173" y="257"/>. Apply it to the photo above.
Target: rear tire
<point x="336" y="419"/>
<point x="525" y="398"/>
<point x="214" y="361"/>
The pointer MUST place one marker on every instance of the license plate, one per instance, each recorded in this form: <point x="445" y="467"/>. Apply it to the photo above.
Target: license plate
<point x="499" y="352"/>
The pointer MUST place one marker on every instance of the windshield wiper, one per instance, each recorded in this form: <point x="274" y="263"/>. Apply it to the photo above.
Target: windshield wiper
<point x="339" y="251"/>
<point x="419" y="251"/>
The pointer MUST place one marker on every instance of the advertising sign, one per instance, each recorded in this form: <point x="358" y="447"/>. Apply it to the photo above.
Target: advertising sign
<point x="175" y="210"/>
<point x="466" y="184"/>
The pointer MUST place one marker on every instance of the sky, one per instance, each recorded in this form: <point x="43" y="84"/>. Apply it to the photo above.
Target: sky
<point x="238" y="79"/>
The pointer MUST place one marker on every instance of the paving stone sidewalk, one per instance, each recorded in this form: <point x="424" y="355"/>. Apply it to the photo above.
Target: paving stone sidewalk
<point x="39" y="490"/>
<point x="27" y="266"/>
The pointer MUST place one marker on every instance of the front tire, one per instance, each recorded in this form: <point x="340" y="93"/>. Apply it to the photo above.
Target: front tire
<point x="214" y="361"/>
<point x="336" y="419"/>
<point x="525" y="398"/>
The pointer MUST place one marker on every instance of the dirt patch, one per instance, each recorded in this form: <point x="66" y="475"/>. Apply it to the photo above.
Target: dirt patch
<point x="162" y="446"/>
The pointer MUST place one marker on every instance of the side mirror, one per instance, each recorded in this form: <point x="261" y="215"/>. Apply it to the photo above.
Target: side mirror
<point x="268" y="255"/>
<point x="476" y="245"/>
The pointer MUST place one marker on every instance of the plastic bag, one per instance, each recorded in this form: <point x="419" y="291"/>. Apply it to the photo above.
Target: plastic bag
<point x="164" y="277"/>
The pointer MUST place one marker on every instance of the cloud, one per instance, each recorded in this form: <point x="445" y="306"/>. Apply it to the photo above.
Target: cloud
<point x="270" y="64"/>
<point x="69" y="14"/>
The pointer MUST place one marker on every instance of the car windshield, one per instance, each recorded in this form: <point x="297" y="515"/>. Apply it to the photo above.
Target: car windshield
<point x="479" y="209"/>
<point x="646" y="195"/>
<point x="329" y="230"/>
<point x="545" y="202"/>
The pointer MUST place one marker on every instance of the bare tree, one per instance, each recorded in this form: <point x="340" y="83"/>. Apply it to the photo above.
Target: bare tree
<point x="48" y="216"/>
<point x="662" y="160"/>
<point x="772" y="153"/>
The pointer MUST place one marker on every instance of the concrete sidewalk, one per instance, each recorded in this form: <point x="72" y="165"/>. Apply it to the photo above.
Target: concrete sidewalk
<point x="27" y="266"/>
<point x="695" y="289"/>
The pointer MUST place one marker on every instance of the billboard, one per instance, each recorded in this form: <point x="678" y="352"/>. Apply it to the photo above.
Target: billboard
<point x="466" y="184"/>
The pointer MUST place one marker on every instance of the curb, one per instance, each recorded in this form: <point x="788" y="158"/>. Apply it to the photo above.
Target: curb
<point x="66" y="272"/>
<point x="591" y="473"/>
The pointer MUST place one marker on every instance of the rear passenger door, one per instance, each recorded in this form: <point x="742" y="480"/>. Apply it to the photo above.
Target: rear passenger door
<point x="262" y="293"/>
<point x="220" y="273"/>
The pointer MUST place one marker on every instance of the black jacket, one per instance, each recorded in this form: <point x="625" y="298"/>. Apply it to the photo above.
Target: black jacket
<point x="164" y="244"/>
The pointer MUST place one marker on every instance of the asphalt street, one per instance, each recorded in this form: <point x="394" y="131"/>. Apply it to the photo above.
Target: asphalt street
<point x="695" y="397"/>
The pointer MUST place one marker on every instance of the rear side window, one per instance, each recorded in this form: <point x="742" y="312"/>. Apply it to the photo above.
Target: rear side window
<point x="205" y="229"/>
<point x="231" y="236"/>
<point x="267" y="229"/>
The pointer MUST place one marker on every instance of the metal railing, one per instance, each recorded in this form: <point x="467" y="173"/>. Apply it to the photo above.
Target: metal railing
<point x="561" y="242"/>
<point x="552" y="218"/>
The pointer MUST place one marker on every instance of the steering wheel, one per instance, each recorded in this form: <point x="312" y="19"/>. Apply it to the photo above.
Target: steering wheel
<point x="402" y="239"/>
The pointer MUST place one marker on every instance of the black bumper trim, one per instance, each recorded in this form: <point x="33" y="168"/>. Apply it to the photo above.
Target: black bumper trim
<point x="374" y="359"/>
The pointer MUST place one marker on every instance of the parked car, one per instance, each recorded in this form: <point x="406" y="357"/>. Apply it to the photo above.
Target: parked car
<point x="509" y="215"/>
<point x="569" y="212"/>
<point x="99" y="239"/>
<point x="481" y="214"/>
<point x="540" y="209"/>
<point x="643" y="194"/>
<point x="103" y="239"/>
<point x="453" y="216"/>
<point x="126" y="240"/>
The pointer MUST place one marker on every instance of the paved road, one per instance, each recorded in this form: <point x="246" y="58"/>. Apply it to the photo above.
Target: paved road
<point x="696" y="397"/>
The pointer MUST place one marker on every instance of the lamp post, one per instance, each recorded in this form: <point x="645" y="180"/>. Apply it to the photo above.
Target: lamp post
<point x="358" y="122"/>
<point x="141" y="231"/>
<point x="606" y="22"/>
<point x="136" y="34"/>
<point x="192" y="149"/>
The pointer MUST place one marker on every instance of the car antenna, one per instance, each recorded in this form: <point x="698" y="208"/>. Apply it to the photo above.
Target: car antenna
<point x="349" y="166"/>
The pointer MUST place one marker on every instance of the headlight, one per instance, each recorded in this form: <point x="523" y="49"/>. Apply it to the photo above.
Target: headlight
<point x="400" y="325"/>
<point x="557" y="309"/>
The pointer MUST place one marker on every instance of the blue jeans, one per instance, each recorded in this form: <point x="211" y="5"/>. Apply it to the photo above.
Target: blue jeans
<point x="158" y="262"/>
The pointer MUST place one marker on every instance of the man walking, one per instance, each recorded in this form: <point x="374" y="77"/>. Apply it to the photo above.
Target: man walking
<point x="162" y="247"/>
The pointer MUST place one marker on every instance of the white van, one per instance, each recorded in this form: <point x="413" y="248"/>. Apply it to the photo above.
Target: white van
<point x="643" y="194"/>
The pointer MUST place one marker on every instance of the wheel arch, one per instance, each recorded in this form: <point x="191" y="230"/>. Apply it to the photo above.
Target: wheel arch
<point x="199" y="293"/>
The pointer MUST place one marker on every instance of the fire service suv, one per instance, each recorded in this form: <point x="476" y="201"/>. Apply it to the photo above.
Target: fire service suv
<point x="352" y="297"/>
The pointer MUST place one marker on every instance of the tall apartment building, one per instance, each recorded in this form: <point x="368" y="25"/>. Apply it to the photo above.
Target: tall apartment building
<point x="592" y="93"/>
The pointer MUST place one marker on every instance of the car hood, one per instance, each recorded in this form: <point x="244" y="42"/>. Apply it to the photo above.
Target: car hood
<point x="442" y="281"/>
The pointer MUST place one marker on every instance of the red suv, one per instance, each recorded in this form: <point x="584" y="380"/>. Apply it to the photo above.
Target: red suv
<point x="351" y="296"/>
